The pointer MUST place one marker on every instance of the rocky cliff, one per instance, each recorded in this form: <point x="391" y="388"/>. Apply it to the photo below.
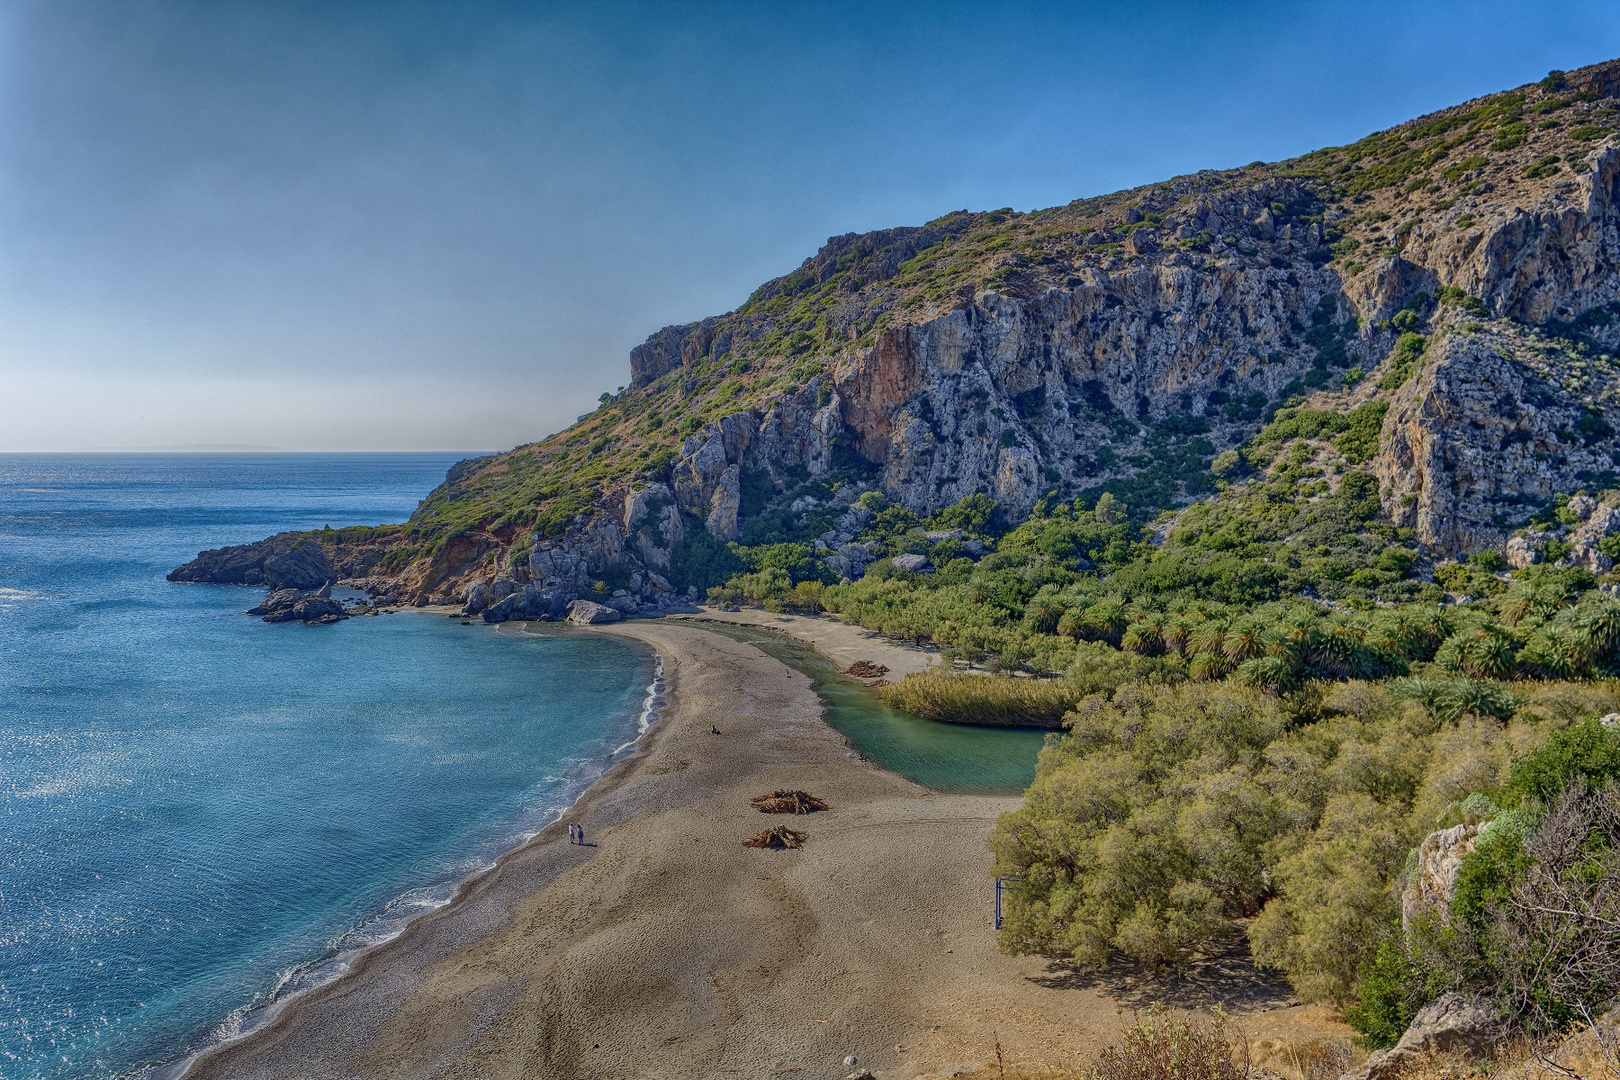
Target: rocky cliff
<point x="1464" y="268"/>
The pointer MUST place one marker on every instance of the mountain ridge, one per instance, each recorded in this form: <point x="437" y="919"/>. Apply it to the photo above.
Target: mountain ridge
<point x="1125" y="344"/>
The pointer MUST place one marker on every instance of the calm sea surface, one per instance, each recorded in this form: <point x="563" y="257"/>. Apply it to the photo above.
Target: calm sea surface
<point x="199" y="810"/>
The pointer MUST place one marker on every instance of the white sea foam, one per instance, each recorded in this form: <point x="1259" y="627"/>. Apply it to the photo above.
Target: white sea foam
<point x="9" y="596"/>
<point x="652" y="705"/>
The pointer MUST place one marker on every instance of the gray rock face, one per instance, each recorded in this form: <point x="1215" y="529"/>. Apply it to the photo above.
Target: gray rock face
<point x="1452" y="1024"/>
<point x="587" y="612"/>
<point x="1521" y="552"/>
<point x="284" y="561"/>
<point x="1481" y="430"/>
<point x="1599" y="522"/>
<point x="291" y="605"/>
<point x="531" y="602"/>
<point x="1439" y="858"/>
<point x="912" y="563"/>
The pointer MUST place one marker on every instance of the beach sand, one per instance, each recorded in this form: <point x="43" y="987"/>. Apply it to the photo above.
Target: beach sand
<point x="667" y="949"/>
<point x="842" y="642"/>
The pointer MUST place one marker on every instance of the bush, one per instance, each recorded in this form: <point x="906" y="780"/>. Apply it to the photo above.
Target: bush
<point x="1144" y="830"/>
<point x="1167" y="1047"/>
<point x="1393" y="984"/>
<point x="1535" y="922"/>
<point x="980" y="699"/>
<point x="1334" y="903"/>
<point x="1587" y="754"/>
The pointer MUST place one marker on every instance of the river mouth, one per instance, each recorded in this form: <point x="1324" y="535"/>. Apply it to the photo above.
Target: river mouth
<point x="958" y="759"/>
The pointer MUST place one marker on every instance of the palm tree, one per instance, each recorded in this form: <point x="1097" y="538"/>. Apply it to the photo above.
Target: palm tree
<point x="1242" y="642"/>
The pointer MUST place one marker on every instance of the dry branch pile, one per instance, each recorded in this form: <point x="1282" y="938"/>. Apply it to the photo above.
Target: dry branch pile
<point x="778" y="838"/>
<point x="866" y="669"/>
<point x="788" y="802"/>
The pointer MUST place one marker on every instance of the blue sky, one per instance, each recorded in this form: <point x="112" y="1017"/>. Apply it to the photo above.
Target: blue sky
<point x="400" y="225"/>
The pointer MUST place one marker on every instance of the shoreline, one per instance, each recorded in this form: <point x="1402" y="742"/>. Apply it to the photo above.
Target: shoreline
<point x="666" y="948"/>
<point x="319" y="974"/>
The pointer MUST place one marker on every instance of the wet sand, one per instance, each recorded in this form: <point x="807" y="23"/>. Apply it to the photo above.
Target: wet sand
<point x="667" y="949"/>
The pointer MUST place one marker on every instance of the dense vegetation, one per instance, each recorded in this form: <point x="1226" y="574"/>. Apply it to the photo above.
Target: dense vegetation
<point x="1535" y="919"/>
<point x="1171" y="817"/>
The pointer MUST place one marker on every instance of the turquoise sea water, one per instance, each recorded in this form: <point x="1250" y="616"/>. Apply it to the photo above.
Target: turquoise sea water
<point x="199" y="810"/>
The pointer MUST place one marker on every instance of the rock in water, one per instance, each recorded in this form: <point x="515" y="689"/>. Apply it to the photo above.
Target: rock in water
<point x="285" y="561"/>
<point x="290" y="605"/>
<point x="587" y="612"/>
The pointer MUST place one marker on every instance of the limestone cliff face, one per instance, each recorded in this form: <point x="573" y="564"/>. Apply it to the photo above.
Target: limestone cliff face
<point x="1550" y="260"/>
<point x="1490" y="429"/>
<point x="1125" y="336"/>
<point x="1504" y="415"/>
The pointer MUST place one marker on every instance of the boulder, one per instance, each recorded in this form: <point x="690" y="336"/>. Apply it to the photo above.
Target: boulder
<point x="1439" y="858"/>
<point x="1453" y="1024"/>
<point x="588" y="612"/>
<point x="290" y="605"/>
<point x="915" y="564"/>
<point x="1521" y="553"/>
<point x="531" y="602"/>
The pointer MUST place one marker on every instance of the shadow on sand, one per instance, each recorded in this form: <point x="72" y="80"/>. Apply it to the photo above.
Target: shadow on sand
<point x="1227" y="977"/>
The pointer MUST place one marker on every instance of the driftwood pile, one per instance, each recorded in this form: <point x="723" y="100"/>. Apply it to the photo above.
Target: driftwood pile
<point x="788" y="802"/>
<point x="778" y="838"/>
<point x="865" y="669"/>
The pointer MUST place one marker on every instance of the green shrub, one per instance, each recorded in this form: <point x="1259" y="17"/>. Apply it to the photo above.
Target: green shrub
<point x="1392" y="985"/>
<point x="1587" y="753"/>
<point x="1403" y="360"/>
<point x="980" y="699"/>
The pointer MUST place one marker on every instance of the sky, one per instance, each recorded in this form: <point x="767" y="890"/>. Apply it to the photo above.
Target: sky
<point x="396" y="225"/>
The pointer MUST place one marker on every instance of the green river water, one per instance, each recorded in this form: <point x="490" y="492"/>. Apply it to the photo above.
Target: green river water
<point x="944" y="757"/>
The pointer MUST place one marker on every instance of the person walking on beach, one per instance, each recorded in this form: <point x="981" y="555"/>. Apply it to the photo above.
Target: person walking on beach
<point x="571" y="829"/>
<point x="579" y="831"/>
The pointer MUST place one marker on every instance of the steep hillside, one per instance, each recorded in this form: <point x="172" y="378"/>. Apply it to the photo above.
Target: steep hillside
<point x="1454" y="280"/>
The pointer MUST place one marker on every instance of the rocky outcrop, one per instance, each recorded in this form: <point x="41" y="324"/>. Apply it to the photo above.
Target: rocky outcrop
<point x="1434" y="880"/>
<point x="1454" y="1024"/>
<point x="293" y="605"/>
<point x="284" y="561"/>
<point x="1546" y="262"/>
<point x="1481" y="433"/>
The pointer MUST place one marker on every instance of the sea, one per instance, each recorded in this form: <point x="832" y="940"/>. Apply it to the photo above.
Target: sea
<point x="202" y="813"/>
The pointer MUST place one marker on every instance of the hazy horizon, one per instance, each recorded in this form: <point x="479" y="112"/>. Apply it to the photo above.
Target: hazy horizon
<point x="356" y="226"/>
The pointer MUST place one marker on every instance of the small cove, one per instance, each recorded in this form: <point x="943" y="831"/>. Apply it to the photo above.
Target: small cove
<point x="204" y="812"/>
<point x="955" y="758"/>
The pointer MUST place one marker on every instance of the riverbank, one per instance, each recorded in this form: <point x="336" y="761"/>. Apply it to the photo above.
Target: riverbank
<point x="843" y="642"/>
<point x="667" y="949"/>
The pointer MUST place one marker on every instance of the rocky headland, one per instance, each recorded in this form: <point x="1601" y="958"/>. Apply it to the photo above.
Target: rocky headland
<point x="1457" y="272"/>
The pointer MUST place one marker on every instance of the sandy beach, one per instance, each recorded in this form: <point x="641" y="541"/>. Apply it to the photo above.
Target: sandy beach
<point x="840" y="641"/>
<point x="667" y="949"/>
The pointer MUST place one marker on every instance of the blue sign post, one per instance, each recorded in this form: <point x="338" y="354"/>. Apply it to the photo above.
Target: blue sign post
<point x="1001" y="883"/>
